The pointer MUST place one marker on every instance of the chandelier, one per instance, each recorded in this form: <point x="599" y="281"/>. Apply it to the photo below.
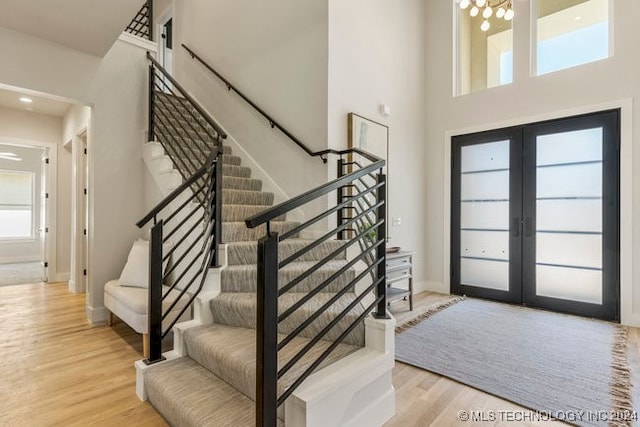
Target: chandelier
<point x="504" y="10"/>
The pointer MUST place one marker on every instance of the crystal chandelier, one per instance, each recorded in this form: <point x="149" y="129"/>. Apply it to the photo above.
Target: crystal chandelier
<point x="504" y="10"/>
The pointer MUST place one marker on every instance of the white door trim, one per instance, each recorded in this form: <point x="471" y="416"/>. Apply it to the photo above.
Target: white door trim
<point x="51" y="242"/>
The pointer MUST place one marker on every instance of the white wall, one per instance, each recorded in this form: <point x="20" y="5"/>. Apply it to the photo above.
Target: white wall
<point x="25" y="128"/>
<point x="376" y="56"/>
<point x="276" y="53"/>
<point x="585" y="88"/>
<point x="115" y="86"/>
<point x="28" y="249"/>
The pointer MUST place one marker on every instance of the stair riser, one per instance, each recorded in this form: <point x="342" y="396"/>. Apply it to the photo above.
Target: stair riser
<point x="234" y="280"/>
<point x="238" y="171"/>
<point x="238" y="213"/>
<point x="238" y="232"/>
<point x="243" y="314"/>
<point x="236" y="183"/>
<point x="240" y="254"/>
<point x="239" y="197"/>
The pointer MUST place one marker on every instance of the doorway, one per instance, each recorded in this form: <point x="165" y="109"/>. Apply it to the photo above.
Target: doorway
<point x="535" y="215"/>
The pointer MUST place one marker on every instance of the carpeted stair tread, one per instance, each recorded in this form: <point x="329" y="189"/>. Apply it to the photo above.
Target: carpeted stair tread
<point x="239" y="309"/>
<point x="237" y="213"/>
<point x="238" y="231"/>
<point x="244" y="197"/>
<point x="242" y="278"/>
<point x="187" y="394"/>
<point x="239" y="253"/>
<point x="239" y="183"/>
<point x="230" y="353"/>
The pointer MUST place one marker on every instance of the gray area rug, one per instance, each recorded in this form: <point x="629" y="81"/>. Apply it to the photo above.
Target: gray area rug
<point x="561" y="365"/>
<point x="19" y="274"/>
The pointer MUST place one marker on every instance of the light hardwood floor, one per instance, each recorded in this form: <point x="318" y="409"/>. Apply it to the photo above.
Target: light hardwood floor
<point x="56" y="370"/>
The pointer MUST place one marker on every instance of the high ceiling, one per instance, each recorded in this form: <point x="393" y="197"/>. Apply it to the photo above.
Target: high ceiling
<point x="91" y="26"/>
<point x="11" y="99"/>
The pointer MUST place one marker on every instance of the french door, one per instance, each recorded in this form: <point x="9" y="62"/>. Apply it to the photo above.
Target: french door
<point x="535" y="215"/>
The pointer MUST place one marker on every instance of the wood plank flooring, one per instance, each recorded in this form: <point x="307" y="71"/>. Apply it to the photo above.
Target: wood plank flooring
<point x="56" y="370"/>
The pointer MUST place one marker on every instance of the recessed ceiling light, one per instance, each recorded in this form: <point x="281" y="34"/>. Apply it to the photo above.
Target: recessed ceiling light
<point x="26" y="100"/>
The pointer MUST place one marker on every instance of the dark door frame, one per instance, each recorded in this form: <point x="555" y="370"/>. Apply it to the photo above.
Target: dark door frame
<point x="522" y="237"/>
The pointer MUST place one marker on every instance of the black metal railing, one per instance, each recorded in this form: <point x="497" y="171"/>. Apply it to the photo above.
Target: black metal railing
<point x="186" y="226"/>
<point x="360" y="222"/>
<point x="142" y="24"/>
<point x="272" y="122"/>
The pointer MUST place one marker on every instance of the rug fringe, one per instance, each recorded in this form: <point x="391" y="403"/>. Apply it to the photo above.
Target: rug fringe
<point x="620" y="386"/>
<point x="413" y="322"/>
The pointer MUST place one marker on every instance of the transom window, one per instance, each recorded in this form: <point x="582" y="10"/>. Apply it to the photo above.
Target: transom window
<point x="565" y="34"/>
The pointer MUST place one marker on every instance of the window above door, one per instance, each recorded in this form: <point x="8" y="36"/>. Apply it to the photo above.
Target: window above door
<point x="564" y="34"/>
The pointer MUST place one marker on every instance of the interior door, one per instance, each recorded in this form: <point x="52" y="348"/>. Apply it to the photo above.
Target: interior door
<point x="43" y="229"/>
<point x="535" y="215"/>
<point x="486" y="197"/>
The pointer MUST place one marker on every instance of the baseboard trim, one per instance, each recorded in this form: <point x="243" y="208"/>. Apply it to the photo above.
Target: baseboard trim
<point x="97" y="316"/>
<point x="62" y="277"/>
<point x="430" y="286"/>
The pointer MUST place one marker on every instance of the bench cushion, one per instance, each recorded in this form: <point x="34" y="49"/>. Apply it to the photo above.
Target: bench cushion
<point x="130" y="304"/>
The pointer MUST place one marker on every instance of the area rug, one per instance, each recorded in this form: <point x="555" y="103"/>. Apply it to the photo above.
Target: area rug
<point x="570" y="368"/>
<point x="19" y="274"/>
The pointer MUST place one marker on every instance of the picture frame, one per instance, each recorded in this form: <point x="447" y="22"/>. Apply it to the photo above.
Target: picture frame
<point x="370" y="136"/>
<point x="373" y="137"/>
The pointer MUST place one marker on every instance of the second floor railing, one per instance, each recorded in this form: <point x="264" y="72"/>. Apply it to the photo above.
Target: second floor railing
<point x="142" y="24"/>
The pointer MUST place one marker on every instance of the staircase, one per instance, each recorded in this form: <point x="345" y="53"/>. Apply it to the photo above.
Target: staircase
<point x="222" y="357"/>
<point x="300" y="351"/>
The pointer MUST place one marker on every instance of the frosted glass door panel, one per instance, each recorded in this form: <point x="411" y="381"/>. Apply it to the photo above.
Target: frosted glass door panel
<point x="485" y="244"/>
<point x="483" y="157"/>
<point x="582" y="180"/>
<point x="570" y="147"/>
<point x="485" y="186"/>
<point x="570" y="284"/>
<point x="577" y="250"/>
<point x="485" y="274"/>
<point x="569" y="215"/>
<point x="484" y="215"/>
<point x="568" y="245"/>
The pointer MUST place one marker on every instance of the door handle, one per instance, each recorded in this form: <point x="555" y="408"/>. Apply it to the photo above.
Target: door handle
<point x="528" y="227"/>
<point x="515" y="226"/>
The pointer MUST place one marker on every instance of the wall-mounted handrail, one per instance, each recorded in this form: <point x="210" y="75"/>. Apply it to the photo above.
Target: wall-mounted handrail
<point x="272" y="122"/>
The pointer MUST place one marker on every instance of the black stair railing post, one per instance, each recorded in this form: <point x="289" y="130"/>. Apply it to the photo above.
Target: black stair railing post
<point x="267" y="332"/>
<point x="340" y="213"/>
<point x="155" y="294"/>
<point x="216" y="208"/>
<point x="150" y="18"/>
<point x="381" y="291"/>
<point x="152" y="75"/>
